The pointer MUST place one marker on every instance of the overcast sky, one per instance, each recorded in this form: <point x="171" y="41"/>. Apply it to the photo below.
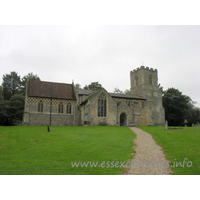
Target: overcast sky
<point x="105" y="54"/>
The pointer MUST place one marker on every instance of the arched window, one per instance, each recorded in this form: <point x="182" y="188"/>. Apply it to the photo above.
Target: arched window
<point x="102" y="106"/>
<point x="136" y="80"/>
<point x="69" y="108"/>
<point x="60" y="108"/>
<point x="150" y="80"/>
<point x="40" y="106"/>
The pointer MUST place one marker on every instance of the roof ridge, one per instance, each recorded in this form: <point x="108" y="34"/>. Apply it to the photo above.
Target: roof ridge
<point x="95" y="92"/>
<point x="52" y="82"/>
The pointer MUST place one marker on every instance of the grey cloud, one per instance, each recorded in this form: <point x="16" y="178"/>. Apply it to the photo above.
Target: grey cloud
<point x="103" y="53"/>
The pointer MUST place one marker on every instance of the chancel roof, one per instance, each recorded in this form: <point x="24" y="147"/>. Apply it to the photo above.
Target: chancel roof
<point x="50" y="90"/>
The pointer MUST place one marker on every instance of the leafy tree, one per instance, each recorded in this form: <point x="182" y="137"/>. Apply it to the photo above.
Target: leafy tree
<point x="11" y="111"/>
<point x="77" y="86"/>
<point x="17" y="107"/>
<point x="127" y="91"/>
<point x="176" y="106"/>
<point x="12" y="107"/>
<point x="29" y="76"/>
<point x="85" y="87"/>
<point x="161" y="88"/>
<point x="93" y="86"/>
<point x="193" y="116"/>
<point x="118" y="91"/>
<point x="4" y="113"/>
<point x="11" y="85"/>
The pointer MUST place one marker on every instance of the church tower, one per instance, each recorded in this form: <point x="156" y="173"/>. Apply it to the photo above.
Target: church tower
<point x="144" y="82"/>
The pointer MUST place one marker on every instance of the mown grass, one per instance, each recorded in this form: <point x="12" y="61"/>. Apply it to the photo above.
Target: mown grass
<point x="33" y="150"/>
<point x="179" y="144"/>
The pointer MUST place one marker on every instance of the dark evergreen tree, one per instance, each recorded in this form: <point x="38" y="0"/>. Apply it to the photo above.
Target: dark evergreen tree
<point x="1" y="93"/>
<point x="11" y="111"/>
<point x="176" y="106"/>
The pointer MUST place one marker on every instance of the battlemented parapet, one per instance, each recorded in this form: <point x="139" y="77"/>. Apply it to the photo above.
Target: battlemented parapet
<point x="144" y="68"/>
<point x="144" y="76"/>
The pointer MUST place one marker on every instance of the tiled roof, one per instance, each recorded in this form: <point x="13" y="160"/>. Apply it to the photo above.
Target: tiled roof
<point x="126" y="96"/>
<point x="50" y="90"/>
<point x="94" y="92"/>
<point x="84" y="92"/>
<point x="116" y="95"/>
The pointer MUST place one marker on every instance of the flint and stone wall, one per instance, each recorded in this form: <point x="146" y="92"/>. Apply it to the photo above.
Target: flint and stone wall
<point x="89" y="111"/>
<point x="135" y="111"/>
<point x="34" y="118"/>
<point x="139" y="112"/>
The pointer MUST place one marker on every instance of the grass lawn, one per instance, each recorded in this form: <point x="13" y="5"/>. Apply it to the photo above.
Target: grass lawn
<point x="32" y="150"/>
<point x="179" y="144"/>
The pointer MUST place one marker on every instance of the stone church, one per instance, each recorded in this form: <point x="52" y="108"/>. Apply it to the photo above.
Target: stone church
<point x="59" y="104"/>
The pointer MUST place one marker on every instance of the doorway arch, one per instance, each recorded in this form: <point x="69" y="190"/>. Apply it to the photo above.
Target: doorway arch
<point x="123" y="119"/>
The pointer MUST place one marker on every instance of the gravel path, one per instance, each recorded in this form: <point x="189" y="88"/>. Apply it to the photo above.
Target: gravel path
<point x="149" y="156"/>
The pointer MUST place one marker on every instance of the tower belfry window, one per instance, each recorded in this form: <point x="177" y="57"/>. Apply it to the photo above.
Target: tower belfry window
<point x="150" y="80"/>
<point x="136" y="81"/>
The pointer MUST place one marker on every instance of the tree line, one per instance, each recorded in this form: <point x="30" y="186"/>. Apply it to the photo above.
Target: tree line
<point x="179" y="108"/>
<point x="12" y="96"/>
<point x="97" y="86"/>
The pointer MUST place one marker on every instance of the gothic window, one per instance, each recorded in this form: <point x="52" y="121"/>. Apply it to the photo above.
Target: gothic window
<point x="60" y="108"/>
<point x="40" y="106"/>
<point x="136" y="80"/>
<point x="102" y="106"/>
<point x="69" y="108"/>
<point x="150" y="80"/>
